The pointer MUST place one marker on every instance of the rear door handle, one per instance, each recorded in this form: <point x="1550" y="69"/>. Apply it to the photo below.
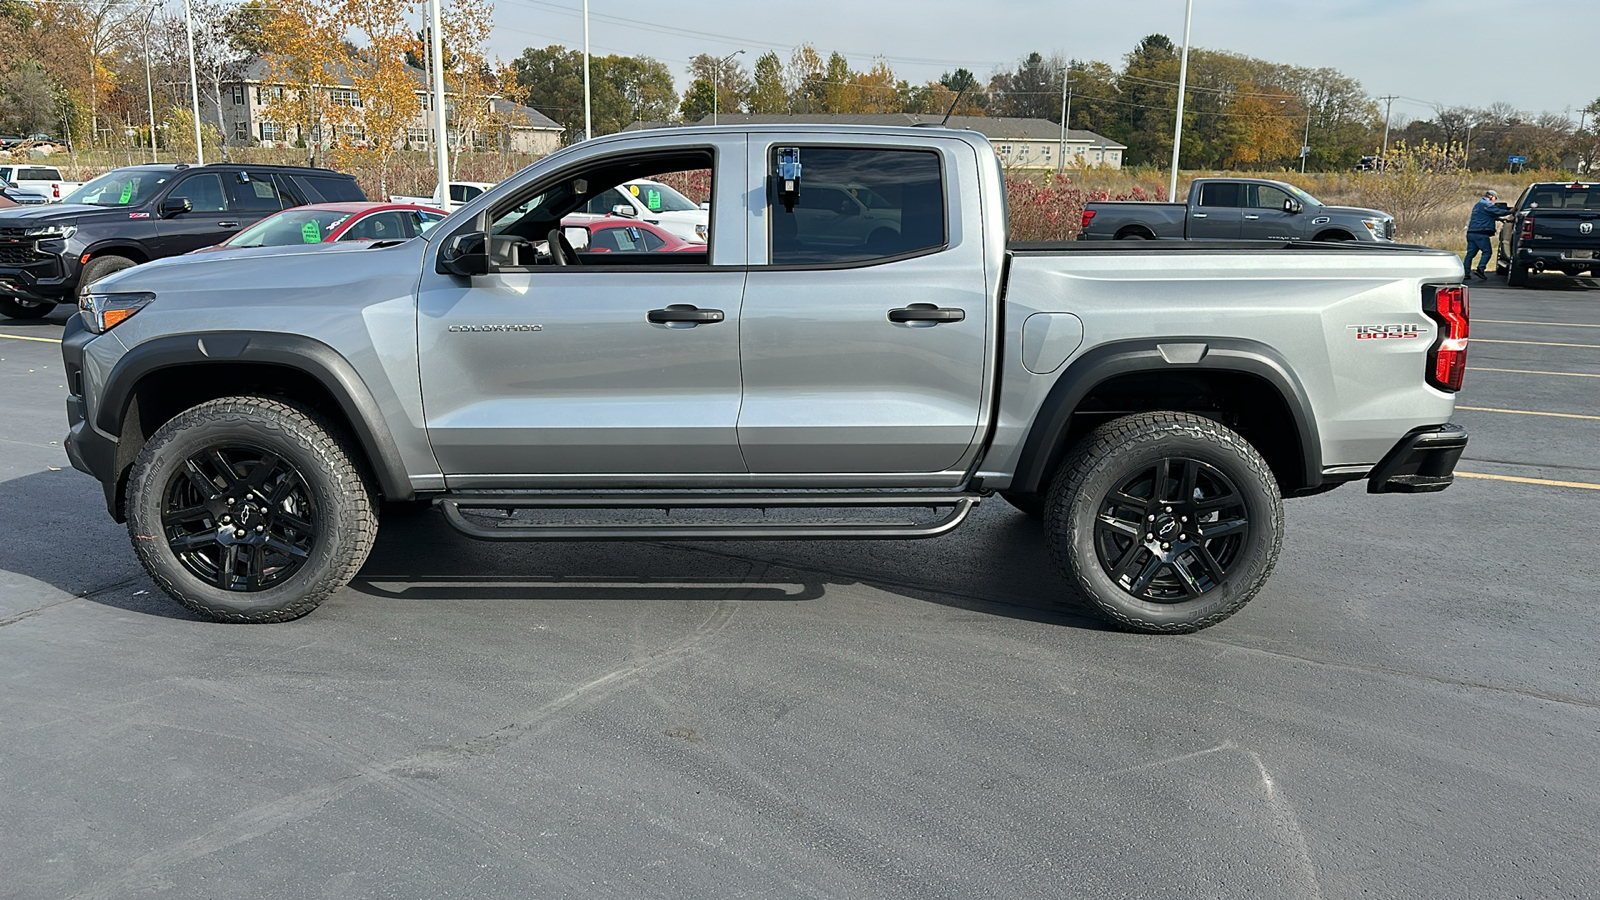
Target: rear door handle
<point x="682" y="315"/>
<point x="927" y="312"/>
<point x="227" y="224"/>
<point x="1251" y="216"/>
<point x="1199" y="215"/>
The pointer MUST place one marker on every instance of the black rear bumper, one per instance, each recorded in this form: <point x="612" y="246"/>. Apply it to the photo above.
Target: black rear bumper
<point x="1423" y="461"/>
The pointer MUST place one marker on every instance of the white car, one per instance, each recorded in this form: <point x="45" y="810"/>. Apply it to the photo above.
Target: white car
<point x="460" y="192"/>
<point x="652" y="202"/>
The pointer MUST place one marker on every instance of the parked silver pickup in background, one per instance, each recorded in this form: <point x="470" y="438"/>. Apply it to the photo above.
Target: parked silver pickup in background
<point x="1151" y="403"/>
<point x="1250" y="209"/>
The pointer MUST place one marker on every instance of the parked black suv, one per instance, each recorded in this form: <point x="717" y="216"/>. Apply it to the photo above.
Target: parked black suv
<point x="49" y="254"/>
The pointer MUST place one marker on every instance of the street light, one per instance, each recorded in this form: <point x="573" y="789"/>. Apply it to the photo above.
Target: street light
<point x="716" y="82"/>
<point x="1183" y="83"/>
<point x="1305" y="144"/>
<point x="194" y="85"/>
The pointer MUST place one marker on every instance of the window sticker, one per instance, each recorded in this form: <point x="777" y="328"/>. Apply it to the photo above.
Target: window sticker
<point x="263" y="190"/>
<point x="653" y="200"/>
<point x="633" y="189"/>
<point x="310" y="233"/>
<point x="127" y="192"/>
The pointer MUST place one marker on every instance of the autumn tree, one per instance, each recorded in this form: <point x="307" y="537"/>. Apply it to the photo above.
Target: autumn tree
<point x="710" y="76"/>
<point x="468" y="72"/>
<point x="306" y="38"/>
<point x="379" y="75"/>
<point x="768" y="93"/>
<point x="88" y="31"/>
<point x="219" y="60"/>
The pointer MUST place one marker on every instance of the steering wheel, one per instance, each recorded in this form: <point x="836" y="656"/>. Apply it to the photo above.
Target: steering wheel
<point x="561" y="250"/>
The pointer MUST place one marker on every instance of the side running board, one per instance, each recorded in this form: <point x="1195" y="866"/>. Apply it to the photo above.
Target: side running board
<point x="484" y="528"/>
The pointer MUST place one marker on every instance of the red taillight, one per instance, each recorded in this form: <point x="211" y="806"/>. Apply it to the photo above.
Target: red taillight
<point x="1088" y="214"/>
<point x="1527" y="228"/>
<point x="1447" y="358"/>
<point x="56" y="189"/>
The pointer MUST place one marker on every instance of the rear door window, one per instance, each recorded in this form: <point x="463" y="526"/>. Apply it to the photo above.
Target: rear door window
<point x="1221" y="193"/>
<point x="330" y="189"/>
<point x="858" y="204"/>
<point x="204" y="191"/>
<point x="251" y="194"/>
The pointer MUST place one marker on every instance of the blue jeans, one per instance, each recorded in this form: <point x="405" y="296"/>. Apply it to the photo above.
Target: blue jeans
<point x="1478" y="243"/>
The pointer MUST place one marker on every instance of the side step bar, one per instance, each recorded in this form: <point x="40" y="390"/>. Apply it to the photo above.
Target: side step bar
<point x="961" y="505"/>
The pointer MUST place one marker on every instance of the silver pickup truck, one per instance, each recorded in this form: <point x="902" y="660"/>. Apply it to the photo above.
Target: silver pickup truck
<point x="250" y="413"/>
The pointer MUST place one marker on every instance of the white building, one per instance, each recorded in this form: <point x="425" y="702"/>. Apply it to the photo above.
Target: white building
<point x="245" y="102"/>
<point x="1020" y="143"/>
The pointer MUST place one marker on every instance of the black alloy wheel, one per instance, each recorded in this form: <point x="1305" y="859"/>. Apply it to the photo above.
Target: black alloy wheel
<point x="1171" y="531"/>
<point x="239" y="517"/>
<point x="1167" y="522"/>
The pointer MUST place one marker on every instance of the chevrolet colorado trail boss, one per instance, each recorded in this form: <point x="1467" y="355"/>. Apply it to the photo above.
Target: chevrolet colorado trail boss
<point x="1251" y="209"/>
<point x="248" y="413"/>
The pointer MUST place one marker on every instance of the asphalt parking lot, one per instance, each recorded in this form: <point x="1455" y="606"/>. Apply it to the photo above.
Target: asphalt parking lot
<point x="1411" y="708"/>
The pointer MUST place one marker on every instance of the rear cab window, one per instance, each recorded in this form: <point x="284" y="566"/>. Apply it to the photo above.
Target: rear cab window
<point x="858" y="204"/>
<point x="1222" y="193"/>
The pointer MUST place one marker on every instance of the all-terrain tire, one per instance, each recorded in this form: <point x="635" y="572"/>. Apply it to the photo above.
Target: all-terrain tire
<point x="1097" y="495"/>
<point x="100" y="267"/>
<point x="18" y="309"/>
<point x="333" y="500"/>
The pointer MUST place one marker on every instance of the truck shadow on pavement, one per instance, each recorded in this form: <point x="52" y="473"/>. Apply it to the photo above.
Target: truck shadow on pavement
<point x="995" y="566"/>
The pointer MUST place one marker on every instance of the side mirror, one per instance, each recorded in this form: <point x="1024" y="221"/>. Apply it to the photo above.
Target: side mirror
<point x="577" y="237"/>
<point x="173" y="206"/>
<point x="465" y="254"/>
<point x="624" y="210"/>
<point x="1293" y="207"/>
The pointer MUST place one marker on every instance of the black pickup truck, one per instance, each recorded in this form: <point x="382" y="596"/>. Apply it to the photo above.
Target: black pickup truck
<point x="48" y="254"/>
<point x="1556" y="228"/>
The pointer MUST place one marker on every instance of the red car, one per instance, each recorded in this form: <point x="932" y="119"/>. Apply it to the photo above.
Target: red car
<point x="620" y="234"/>
<point x="322" y="223"/>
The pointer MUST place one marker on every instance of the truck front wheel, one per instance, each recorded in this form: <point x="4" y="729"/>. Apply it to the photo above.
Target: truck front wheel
<point x="249" y="509"/>
<point x="1167" y="522"/>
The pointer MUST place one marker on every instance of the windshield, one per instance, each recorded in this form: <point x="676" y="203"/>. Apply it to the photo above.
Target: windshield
<point x="658" y="197"/>
<point x="123" y="187"/>
<point x="293" y="226"/>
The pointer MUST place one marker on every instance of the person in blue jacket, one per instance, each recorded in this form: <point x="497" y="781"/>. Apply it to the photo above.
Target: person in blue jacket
<point x="1480" y="231"/>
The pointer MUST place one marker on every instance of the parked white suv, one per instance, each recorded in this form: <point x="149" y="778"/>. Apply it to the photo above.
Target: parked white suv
<point x="652" y="202"/>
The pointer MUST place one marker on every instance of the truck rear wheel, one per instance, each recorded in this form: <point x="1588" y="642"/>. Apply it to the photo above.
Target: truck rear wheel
<point x="1167" y="522"/>
<point x="249" y="509"/>
<point x="24" y="309"/>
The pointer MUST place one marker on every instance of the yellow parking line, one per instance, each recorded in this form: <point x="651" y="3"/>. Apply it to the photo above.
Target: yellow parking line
<point x="25" y="337"/>
<point x="1528" y="412"/>
<point x="1553" y="324"/>
<point x="1531" y="372"/>
<point x="1571" y="484"/>
<point x="1533" y="343"/>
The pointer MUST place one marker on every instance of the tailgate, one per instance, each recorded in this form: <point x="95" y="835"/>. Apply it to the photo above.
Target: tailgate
<point x="1565" y="229"/>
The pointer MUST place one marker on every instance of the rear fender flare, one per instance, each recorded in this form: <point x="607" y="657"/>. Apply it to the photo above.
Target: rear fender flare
<point x="307" y="355"/>
<point x="1045" y="443"/>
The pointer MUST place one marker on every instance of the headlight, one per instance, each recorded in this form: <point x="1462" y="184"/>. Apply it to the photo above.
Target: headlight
<point x="1378" y="227"/>
<point x="52" y="231"/>
<point x="102" y="312"/>
<point x="700" y="232"/>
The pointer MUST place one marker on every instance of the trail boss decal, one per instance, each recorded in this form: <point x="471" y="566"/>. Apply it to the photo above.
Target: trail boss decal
<point x="1386" y="332"/>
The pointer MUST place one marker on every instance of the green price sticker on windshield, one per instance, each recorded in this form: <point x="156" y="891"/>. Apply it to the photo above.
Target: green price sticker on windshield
<point x="653" y="200"/>
<point x="127" y="192"/>
<point x="310" y="233"/>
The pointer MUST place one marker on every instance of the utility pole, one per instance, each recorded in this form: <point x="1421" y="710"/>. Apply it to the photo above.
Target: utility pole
<point x="1305" y="144"/>
<point x="194" y="86"/>
<point x="1388" y="105"/>
<point x="1183" y="82"/>
<point x="1066" y="113"/>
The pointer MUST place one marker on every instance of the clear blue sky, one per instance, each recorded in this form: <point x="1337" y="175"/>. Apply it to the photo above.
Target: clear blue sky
<point x="1538" y="55"/>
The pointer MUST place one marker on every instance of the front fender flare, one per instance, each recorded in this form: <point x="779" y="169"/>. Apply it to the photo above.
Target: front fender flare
<point x="1044" y="444"/>
<point x="307" y="355"/>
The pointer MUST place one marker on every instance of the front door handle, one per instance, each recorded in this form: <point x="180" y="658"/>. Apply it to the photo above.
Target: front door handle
<point x="926" y="313"/>
<point x="1251" y="216"/>
<point x="1199" y="215"/>
<point x="227" y="224"/>
<point x="682" y="315"/>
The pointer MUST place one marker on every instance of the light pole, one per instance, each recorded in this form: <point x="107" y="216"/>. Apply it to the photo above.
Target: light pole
<point x="1183" y="82"/>
<point x="149" y="89"/>
<point x="588" y="125"/>
<point x="441" y="153"/>
<point x="716" y="82"/>
<point x="194" y="86"/>
<point x="1066" y="113"/>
